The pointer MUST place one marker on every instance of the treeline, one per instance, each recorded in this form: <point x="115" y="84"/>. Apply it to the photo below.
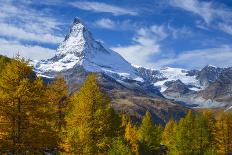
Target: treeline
<point x="202" y="134"/>
<point x="36" y="118"/>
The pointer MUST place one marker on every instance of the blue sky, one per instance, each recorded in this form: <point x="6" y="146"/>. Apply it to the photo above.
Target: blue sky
<point x="151" y="33"/>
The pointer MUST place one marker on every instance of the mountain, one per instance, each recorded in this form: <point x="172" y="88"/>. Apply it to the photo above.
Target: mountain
<point x="128" y="86"/>
<point x="166" y="93"/>
<point x="208" y="75"/>
<point x="80" y="49"/>
<point x="221" y="88"/>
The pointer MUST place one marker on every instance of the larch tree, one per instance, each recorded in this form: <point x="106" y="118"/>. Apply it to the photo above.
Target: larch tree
<point x="211" y="124"/>
<point x="15" y="85"/>
<point x="184" y="138"/>
<point x="20" y="102"/>
<point x="202" y="135"/>
<point x="149" y="134"/>
<point x="131" y="135"/>
<point x="224" y="133"/>
<point x="119" y="147"/>
<point x="57" y="94"/>
<point x="90" y="120"/>
<point x="168" y="133"/>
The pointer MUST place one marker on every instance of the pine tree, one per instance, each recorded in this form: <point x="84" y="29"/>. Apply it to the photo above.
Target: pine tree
<point x="149" y="134"/>
<point x="131" y="136"/>
<point x="90" y="122"/>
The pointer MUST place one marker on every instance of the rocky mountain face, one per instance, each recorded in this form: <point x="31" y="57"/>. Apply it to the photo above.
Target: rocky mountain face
<point x="221" y="89"/>
<point x="176" y="89"/>
<point x="208" y="75"/>
<point x="135" y="89"/>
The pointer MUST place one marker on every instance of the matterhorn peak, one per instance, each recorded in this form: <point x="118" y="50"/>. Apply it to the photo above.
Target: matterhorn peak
<point x="80" y="49"/>
<point x="78" y="39"/>
<point x="78" y="30"/>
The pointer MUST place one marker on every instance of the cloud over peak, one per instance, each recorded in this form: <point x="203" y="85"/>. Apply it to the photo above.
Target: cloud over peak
<point x="103" y="8"/>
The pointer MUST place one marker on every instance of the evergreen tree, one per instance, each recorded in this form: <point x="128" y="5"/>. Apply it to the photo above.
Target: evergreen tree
<point x="119" y="147"/>
<point x="149" y="134"/>
<point x="90" y="122"/>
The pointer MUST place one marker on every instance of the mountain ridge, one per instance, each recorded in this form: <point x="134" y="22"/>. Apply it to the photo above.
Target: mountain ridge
<point x="80" y="54"/>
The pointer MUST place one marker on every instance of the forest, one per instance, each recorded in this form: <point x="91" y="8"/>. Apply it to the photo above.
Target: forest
<point x="38" y="118"/>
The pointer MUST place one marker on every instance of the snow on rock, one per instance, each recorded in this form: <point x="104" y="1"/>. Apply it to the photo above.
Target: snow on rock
<point x="173" y="74"/>
<point x="79" y="48"/>
<point x="228" y="108"/>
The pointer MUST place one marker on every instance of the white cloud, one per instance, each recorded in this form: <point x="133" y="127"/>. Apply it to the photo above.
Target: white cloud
<point x="179" y="32"/>
<point x="146" y="43"/>
<point x="21" y="34"/>
<point x="159" y="31"/>
<point x="106" y="23"/>
<point x="22" y="22"/>
<point x="117" y="25"/>
<point x="215" y="15"/>
<point x="11" y="48"/>
<point x="226" y="28"/>
<point x="125" y="25"/>
<point x="220" y="57"/>
<point x="103" y="7"/>
<point x="207" y="10"/>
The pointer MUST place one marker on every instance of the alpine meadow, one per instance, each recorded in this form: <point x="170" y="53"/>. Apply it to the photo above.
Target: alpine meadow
<point x="115" y="77"/>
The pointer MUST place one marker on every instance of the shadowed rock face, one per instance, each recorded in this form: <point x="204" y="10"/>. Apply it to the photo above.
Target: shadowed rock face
<point x="130" y="96"/>
<point x="176" y="89"/>
<point x="135" y="89"/>
<point x="130" y="88"/>
<point x="209" y="75"/>
<point x="221" y="89"/>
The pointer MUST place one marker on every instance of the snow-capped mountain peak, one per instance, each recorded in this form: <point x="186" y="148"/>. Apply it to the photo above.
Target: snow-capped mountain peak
<point x="80" y="49"/>
<point x="80" y="53"/>
<point x="79" y="40"/>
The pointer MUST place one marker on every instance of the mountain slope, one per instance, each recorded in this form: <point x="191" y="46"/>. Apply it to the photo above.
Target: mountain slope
<point x="80" y="54"/>
<point x="80" y="49"/>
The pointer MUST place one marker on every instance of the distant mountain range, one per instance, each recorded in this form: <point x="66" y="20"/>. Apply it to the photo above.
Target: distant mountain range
<point x="166" y="93"/>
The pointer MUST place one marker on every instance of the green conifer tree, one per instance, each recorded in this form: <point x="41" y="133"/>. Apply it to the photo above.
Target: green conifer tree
<point x="149" y="134"/>
<point x="119" y="147"/>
